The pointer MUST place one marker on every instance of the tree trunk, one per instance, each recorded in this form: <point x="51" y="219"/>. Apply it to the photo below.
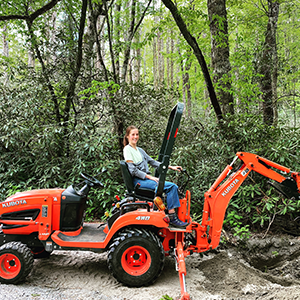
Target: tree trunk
<point x="161" y="62"/>
<point x="116" y="115"/>
<point x="179" y="67"/>
<point x="185" y="66"/>
<point x="100" y="42"/>
<point x="220" y="53"/>
<point x="133" y="27"/>
<point x="172" y="64"/>
<point x="129" y="39"/>
<point x="182" y="78"/>
<point x="77" y="68"/>
<point x="48" y="83"/>
<point x="268" y="67"/>
<point x="31" y="62"/>
<point x="137" y="61"/>
<point x="237" y="72"/>
<point x="118" y="38"/>
<point x="168" y="62"/>
<point x="5" y="52"/>
<point x="188" y="89"/>
<point x="88" y="49"/>
<point x="154" y="49"/>
<point x="274" y="86"/>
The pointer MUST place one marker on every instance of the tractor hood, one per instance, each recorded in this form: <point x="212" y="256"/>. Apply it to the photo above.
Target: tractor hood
<point x="35" y="194"/>
<point x="30" y="198"/>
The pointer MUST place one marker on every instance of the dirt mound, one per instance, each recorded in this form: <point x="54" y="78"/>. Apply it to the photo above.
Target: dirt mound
<point x="229" y="276"/>
<point x="276" y="255"/>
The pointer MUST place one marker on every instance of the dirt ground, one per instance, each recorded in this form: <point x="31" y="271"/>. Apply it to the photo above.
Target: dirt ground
<point x="258" y="269"/>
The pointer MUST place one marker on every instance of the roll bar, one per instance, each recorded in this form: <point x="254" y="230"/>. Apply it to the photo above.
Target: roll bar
<point x="167" y="146"/>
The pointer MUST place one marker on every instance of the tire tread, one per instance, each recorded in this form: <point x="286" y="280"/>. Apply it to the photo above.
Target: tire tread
<point x="26" y="258"/>
<point x="135" y="233"/>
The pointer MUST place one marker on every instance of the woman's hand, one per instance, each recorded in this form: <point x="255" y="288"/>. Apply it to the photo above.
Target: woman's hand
<point x="152" y="178"/>
<point x="176" y="168"/>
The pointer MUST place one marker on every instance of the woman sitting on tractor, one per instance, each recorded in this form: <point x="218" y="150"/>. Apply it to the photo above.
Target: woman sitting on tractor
<point x="138" y="160"/>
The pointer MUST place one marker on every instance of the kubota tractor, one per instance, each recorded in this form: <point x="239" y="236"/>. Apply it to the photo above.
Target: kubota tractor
<point x="137" y="235"/>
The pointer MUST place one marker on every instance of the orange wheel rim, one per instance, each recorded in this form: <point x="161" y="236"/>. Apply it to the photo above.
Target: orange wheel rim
<point x="10" y="266"/>
<point x="136" y="260"/>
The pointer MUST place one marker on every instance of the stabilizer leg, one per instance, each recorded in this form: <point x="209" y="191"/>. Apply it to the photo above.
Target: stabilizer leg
<point x="181" y="271"/>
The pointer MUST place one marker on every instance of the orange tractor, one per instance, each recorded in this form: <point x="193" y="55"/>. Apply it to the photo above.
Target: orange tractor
<point x="137" y="235"/>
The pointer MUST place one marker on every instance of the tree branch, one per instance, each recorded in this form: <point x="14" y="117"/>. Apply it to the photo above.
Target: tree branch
<point x="198" y="53"/>
<point x="133" y="30"/>
<point x="116" y="79"/>
<point x="78" y="62"/>
<point x="44" y="72"/>
<point x="32" y="16"/>
<point x="142" y="18"/>
<point x="98" y="44"/>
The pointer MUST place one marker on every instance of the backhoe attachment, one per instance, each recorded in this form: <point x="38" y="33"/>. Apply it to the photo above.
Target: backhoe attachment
<point x="206" y="236"/>
<point x="223" y="189"/>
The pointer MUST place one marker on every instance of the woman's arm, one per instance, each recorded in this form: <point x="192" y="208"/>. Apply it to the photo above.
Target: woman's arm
<point x="135" y="171"/>
<point x="132" y="167"/>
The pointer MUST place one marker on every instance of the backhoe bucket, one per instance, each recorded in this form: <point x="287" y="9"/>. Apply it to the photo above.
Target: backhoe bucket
<point x="288" y="188"/>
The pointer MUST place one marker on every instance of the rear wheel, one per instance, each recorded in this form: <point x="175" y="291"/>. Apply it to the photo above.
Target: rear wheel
<point x="16" y="261"/>
<point x="136" y="257"/>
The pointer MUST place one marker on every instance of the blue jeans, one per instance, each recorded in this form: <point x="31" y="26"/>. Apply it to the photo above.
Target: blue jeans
<point x="170" y="188"/>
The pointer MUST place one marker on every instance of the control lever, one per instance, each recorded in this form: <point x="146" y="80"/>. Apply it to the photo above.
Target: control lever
<point x="137" y="186"/>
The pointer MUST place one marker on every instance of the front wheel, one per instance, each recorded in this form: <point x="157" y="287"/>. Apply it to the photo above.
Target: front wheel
<point x="16" y="261"/>
<point x="136" y="257"/>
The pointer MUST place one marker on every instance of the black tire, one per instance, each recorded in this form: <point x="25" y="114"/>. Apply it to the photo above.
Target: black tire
<point x="16" y="262"/>
<point x="136" y="257"/>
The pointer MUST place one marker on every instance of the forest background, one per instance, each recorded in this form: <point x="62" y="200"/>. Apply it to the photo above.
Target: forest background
<point x="74" y="74"/>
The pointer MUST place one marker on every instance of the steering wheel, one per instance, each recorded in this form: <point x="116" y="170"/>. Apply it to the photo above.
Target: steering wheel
<point x="92" y="180"/>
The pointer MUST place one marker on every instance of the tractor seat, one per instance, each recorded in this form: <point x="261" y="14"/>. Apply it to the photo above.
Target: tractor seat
<point x="141" y="193"/>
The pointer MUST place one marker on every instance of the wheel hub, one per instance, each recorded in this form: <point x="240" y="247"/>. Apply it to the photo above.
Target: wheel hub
<point x="136" y="260"/>
<point x="136" y="256"/>
<point x="12" y="263"/>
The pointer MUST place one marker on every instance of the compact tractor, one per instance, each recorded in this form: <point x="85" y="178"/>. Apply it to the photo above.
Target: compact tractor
<point x="137" y="235"/>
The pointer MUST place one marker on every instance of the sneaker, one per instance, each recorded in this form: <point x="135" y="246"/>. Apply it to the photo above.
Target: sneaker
<point x="175" y="222"/>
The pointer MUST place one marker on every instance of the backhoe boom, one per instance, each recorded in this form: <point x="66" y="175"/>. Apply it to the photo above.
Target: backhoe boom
<point x="218" y="196"/>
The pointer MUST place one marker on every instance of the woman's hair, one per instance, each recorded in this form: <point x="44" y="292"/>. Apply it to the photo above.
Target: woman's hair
<point x="128" y="129"/>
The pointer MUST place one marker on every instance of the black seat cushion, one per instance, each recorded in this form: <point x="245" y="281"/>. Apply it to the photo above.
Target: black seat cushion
<point x="145" y="193"/>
